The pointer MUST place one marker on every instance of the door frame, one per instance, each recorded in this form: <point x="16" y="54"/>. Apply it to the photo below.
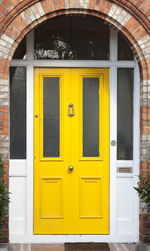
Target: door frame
<point x="24" y="168"/>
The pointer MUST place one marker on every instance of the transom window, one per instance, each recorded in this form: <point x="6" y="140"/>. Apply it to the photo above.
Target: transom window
<point x="72" y="37"/>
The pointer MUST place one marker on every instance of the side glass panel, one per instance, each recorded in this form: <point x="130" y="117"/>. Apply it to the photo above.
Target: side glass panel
<point x="17" y="112"/>
<point x="20" y="52"/>
<point x="90" y="117"/>
<point x="124" y="50"/>
<point x="72" y="37"/>
<point x="125" y="114"/>
<point x="51" y="127"/>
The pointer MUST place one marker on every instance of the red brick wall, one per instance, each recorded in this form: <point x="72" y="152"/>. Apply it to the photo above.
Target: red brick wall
<point x="132" y="17"/>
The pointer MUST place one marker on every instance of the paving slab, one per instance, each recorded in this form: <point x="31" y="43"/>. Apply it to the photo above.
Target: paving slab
<point x="143" y="247"/>
<point x="61" y="247"/>
<point x="5" y="247"/>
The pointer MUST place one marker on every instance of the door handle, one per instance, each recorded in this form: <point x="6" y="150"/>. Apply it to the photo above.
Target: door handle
<point x="70" y="168"/>
<point x="70" y="110"/>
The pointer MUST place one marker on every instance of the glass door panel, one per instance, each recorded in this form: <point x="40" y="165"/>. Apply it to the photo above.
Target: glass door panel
<point x="90" y="117"/>
<point x="51" y="114"/>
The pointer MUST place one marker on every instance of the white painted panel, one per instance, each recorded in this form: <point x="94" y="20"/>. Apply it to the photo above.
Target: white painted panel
<point x="17" y="226"/>
<point x="17" y="208"/>
<point x="17" y="168"/>
<point x="125" y="163"/>
<point x="125" y="205"/>
<point x="125" y="226"/>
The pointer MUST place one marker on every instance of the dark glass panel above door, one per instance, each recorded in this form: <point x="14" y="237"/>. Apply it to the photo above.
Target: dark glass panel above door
<point x="125" y="114"/>
<point x="124" y="50"/>
<point x="72" y="37"/>
<point x="18" y="112"/>
<point x="20" y="52"/>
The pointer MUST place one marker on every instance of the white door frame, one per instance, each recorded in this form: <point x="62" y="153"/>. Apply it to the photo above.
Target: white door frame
<point x="23" y="169"/>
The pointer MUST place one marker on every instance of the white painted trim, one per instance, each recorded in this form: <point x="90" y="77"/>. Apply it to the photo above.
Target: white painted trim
<point x="73" y="63"/>
<point x="113" y="149"/>
<point x="136" y="120"/>
<point x="125" y="175"/>
<point x="30" y="151"/>
<point x="113" y="45"/>
<point x="136" y="145"/>
<point x="28" y="164"/>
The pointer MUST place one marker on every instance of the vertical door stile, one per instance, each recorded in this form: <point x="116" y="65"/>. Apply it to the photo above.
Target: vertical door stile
<point x="36" y="143"/>
<point x="67" y="141"/>
<point x="72" y="135"/>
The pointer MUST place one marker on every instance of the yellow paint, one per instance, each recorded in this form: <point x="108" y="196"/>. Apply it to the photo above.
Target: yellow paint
<point x="74" y="202"/>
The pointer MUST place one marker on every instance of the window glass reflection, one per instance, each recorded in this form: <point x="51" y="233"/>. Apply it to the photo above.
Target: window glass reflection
<point x="18" y="113"/>
<point x="125" y="114"/>
<point x="90" y="117"/>
<point x="51" y="117"/>
<point x="72" y="37"/>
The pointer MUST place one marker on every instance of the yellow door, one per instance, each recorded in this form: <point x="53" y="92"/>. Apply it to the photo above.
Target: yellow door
<point x="71" y="151"/>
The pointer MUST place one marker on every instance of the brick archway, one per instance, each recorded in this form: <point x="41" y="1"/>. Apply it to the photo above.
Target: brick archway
<point x="129" y="18"/>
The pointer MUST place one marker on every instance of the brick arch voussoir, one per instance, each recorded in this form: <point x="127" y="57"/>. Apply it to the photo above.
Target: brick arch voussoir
<point x="135" y="47"/>
<point x="14" y="12"/>
<point x="134" y="8"/>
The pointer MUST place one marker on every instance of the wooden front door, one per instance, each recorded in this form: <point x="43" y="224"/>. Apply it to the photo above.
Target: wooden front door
<point x="71" y="151"/>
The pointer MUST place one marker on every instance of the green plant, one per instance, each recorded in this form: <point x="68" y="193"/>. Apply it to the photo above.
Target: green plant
<point x="4" y="197"/>
<point x="143" y="189"/>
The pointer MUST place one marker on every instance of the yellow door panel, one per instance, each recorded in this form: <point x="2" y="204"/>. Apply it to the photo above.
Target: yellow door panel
<point x="51" y="190"/>
<point x="91" y="169"/>
<point x="71" y="129"/>
<point x="90" y="198"/>
<point x="51" y="194"/>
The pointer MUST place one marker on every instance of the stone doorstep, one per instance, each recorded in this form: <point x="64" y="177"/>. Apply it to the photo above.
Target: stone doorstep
<point x="140" y="247"/>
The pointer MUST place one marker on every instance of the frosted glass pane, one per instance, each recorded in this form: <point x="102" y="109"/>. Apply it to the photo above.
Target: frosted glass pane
<point x="51" y="117"/>
<point x="17" y="113"/>
<point x="90" y="117"/>
<point x="125" y="114"/>
<point x="72" y="37"/>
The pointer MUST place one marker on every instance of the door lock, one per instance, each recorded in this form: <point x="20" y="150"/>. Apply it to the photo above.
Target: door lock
<point x="70" y="110"/>
<point x="113" y="143"/>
